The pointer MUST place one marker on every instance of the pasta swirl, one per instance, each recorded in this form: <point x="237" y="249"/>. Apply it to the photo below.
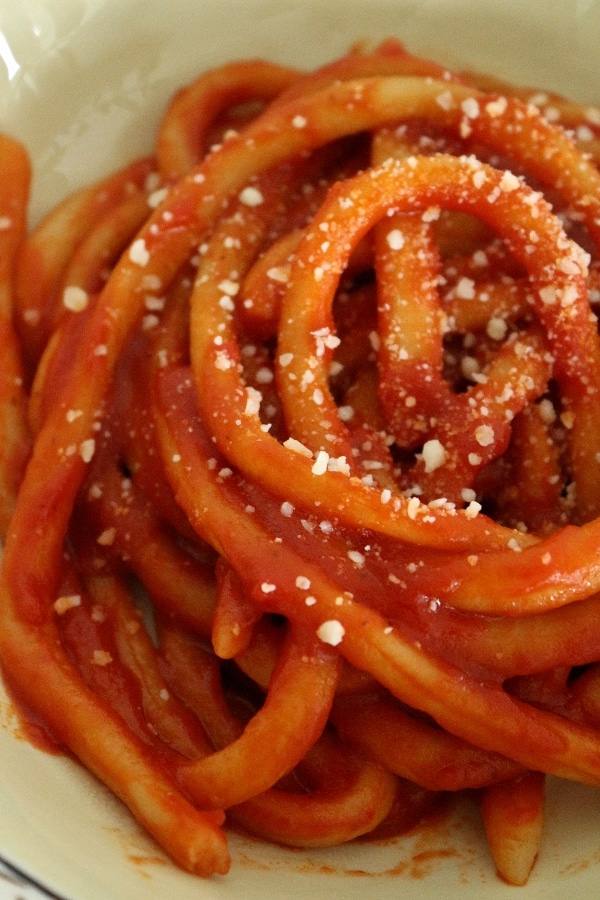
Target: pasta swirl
<point x="304" y="428"/>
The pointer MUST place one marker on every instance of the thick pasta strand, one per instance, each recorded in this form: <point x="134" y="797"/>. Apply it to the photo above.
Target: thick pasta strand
<point x="302" y="415"/>
<point x="13" y="426"/>
<point x="493" y="721"/>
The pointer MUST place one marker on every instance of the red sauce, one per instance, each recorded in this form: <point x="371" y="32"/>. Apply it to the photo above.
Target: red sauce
<point x="29" y="726"/>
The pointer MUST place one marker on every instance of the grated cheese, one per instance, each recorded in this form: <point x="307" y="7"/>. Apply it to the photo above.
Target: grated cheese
<point x="297" y="447"/>
<point x="251" y="196"/>
<point x="107" y="537"/>
<point x="331" y="632"/>
<point x="356" y="557"/>
<point x="321" y="463"/>
<point x="434" y="455"/>
<point x="75" y="298"/>
<point x="87" y="449"/>
<point x="484" y="435"/>
<point x="138" y="252"/>
<point x="64" y="604"/>
<point x="267" y="587"/>
<point x="395" y="239"/>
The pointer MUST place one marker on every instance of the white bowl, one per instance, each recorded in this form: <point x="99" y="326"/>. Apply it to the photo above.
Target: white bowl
<point x="83" y="83"/>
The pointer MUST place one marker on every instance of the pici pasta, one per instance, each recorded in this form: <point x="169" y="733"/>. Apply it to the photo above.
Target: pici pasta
<point x="300" y="488"/>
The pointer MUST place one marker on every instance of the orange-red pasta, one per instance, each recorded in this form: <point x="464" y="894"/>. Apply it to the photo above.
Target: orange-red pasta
<point x="300" y="491"/>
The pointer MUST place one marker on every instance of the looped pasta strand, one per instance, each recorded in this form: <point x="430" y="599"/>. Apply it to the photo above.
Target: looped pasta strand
<point x="304" y="431"/>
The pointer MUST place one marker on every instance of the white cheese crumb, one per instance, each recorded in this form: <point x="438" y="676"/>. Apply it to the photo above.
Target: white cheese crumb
<point x="445" y="100"/>
<point x="253" y="401"/>
<point x="75" y="298"/>
<point x="228" y="286"/>
<point x="280" y="274"/>
<point x="138" y="252"/>
<point x="267" y="587"/>
<point x="101" y="658"/>
<point x="568" y="296"/>
<point x="226" y="303"/>
<point x="31" y="317"/>
<point x="157" y="197"/>
<point x="63" y="604"/>
<point x="321" y="463"/>
<point x="548" y="295"/>
<point x="470" y="107"/>
<point x="150" y="321"/>
<point x="509" y="182"/>
<point x="497" y="107"/>
<point x="95" y="492"/>
<point x="87" y="449"/>
<point x="297" y="447"/>
<point x="356" y="557"/>
<point x="473" y="509"/>
<point x="465" y="289"/>
<point x="154" y="304"/>
<point x="434" y="455"/>
<point x="546" y="411"/>
<point x="325" y="339"/>
<point x="338" y="464"/>
<point x="395" y="239"/>
<point x="223" y="362"/>
<point x="331" y="632"/>
<point x="264" y="375"/>
<point x="107" y="537"/>
<point x="497" y="328"/>
<point x="484" y="435"/>
<point x="251" y="196"/>
<point x="431" y="214"/>
<point x="302" y="582"/>
<point x="413" y="507"/>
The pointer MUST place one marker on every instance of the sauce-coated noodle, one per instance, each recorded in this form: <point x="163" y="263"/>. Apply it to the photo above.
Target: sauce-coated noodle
<point x="319" y="381"/>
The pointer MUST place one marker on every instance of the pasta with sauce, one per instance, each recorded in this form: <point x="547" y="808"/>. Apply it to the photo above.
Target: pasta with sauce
<point x="319" y="380"/>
